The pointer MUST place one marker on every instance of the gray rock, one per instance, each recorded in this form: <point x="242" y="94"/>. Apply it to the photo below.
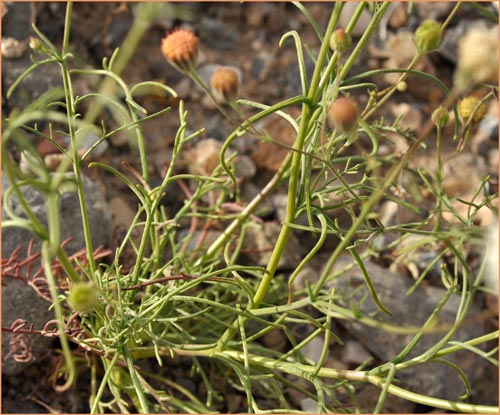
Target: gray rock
<point x="19" y="300"/>
<point x="16" y="23"/>
<point x="34" y="85"/>
<point x="433" y="379"/>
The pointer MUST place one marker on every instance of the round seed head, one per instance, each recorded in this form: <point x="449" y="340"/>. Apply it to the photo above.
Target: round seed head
<point x="83" y="296"/>
<point x="180" y="48"/>
<point x="343" y="114"/>
<point x="225" y="83"/>
<point x="467" y="108"/>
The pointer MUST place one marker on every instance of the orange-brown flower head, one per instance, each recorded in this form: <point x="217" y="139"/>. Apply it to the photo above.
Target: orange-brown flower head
<point x="180" y="48"/>
<point x="225" y="83"/>
<point x="343" y="114"/>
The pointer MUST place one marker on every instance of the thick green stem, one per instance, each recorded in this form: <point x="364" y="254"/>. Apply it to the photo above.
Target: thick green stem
<point x="71" y="117"/>
<point x="313" y="96"/>
<point x="47" y="256"/>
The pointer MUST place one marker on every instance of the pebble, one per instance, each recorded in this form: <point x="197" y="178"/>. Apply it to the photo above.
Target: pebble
<point x="12" y="48"/>
<point x="204" y="157"/>
<point x="398" y="17"/>
<point x="346" y="15"/>
<point x="355" y="353"/>
<point x="411" y="119"/>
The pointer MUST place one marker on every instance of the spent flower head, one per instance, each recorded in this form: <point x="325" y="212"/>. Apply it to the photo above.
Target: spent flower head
<point x="225" y="83"/>
<point x="180" y="48"/>
<point x="477" y="58"/>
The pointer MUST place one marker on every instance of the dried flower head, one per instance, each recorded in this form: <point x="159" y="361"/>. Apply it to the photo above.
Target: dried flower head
<point x="343" y="114"/>
<point x="477" y="58"/>
<point x="180" y="48"/>
<point x="340" y="41"/>
<point x="225" y="83"/>
<point x="469" y="106"/>
<point x="428" y="36"/>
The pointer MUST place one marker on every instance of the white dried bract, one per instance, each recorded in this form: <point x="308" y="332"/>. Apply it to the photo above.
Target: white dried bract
<point x="477" y="58"/>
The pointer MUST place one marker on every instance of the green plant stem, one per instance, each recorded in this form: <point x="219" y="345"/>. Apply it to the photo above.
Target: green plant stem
<point x="109" y="365"/>
<point x="385" y="183"/>
<point x="302" y="370"/>
<point x="365" y="38"/>
<point x="361" y="376"/>
<point x="47" y="255"/>
<point x="71" y="116"/>
<point x="313" y="98"/>
<point x="147" y="12"/>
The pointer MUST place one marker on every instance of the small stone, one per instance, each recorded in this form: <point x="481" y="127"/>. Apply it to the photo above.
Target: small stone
<point x="314" y="349"/>
<point x="411" y="119"/>
<point x="398" y="16"/>
<point x="307" y="276"/>
<point x="354" y="353"/>
<point x="12" y="48"/>
<point x="362" y="23"/>
<point x="204" y="157"/>
<point x="274" y="340"/>
<point x="245" y="167"/>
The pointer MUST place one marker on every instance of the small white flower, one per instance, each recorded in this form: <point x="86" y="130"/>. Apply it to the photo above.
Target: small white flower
<point x="477" y="58"/>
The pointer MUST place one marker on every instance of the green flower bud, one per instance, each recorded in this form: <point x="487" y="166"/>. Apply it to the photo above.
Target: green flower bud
<point x="36" y="45"/>
<point x="428" y="36"/>
<point x="83" y="296"/>
<point x="440" y="117"/>
<point x="340" y="41"/>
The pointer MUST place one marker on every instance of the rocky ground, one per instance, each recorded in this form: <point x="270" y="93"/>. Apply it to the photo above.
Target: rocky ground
<point x="245" y="36"/>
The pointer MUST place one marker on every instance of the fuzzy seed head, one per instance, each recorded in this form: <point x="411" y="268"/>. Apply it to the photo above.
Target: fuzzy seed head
<point x="343" y="114"/>
<point x="83" y="296"/>
<point x="477" y="58"/>
<point x="225" y="83"/>
<point x="180" y="48"/>
<point x="467" y="108"/>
